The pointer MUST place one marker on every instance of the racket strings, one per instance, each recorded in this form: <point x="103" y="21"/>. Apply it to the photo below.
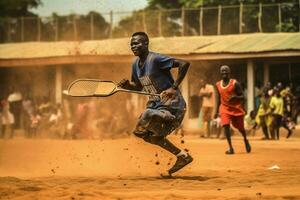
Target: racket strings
<point x="83" y="88"/>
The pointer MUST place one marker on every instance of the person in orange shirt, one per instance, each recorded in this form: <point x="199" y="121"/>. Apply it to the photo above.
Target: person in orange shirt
<point x="229" y="100"/>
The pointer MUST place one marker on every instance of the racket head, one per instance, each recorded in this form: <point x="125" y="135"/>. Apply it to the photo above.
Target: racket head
<point x="91" y="88"/>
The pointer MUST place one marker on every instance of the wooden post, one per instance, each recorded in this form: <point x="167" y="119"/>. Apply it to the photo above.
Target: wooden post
<point x="22" y="29"/>
<point x="299" y="15"/>
<point x="56" y="28"/>
<point x="144" y="21"/>
<point x="74" y="28"/>
<point x="111" y="24"/>
<point x="241" y="18"/>
<point x="38" y="29"/>
<point x="290" y="72"/>
<point x="58" y="84"/>
<point x="201" y="21"/>
<point x="219" y="20"/>
<point x="266" y="73"/>
<point x="259" y="18"/>
<point x="9" y="29"/>
<point x="279" y="17"/>
<point x="250" y="86"/>
<point x="183" y="20"/>
<point x="159" y="23"/>
<point x="92" y="26"/>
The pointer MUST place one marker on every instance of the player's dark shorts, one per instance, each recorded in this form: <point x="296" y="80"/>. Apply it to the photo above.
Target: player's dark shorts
<point x="161" y="120"/>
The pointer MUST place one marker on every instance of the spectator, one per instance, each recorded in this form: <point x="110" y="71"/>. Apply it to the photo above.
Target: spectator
<point x="217" y="127"/>
<point x="257" y="92"/>
<point x="277" y="110"/>
<point x="35" y="120"/>
<point x="80" y="129"/>
<point x="8" y="119"/>
<point x="287" y="121"/>
<point x="44" y="107"/>
<point x="28" y="109"/>
<point x="296" y="105"/>
<point x="54" y="123"/>
<point x="263" y="118"/>
<point x="249" y="123"/>
<point x="15" y="101"/>
<point x="207" y="94"/>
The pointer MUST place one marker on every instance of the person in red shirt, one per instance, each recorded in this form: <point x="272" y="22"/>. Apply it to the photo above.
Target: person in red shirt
<point x="229" y="105"/>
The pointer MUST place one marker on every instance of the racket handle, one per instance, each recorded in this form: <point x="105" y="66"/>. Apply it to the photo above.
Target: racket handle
<point x="137" y="92"/>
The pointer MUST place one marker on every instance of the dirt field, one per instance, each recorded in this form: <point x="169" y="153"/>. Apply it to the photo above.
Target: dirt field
<point x="129" y="169"/>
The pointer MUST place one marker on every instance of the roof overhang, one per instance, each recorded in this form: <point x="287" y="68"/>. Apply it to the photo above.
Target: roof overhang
<point x="98" y="59"/>
<point x="251" y="55"/>
<point x="65" y="60"/>
<point x="192" y="48"/>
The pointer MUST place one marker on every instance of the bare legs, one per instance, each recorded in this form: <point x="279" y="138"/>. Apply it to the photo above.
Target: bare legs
<point x="228" y="137"/>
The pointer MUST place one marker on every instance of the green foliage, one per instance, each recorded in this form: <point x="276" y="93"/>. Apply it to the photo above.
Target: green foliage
<point x="83" y="23"/>
<point x="51" y="28"/>
<point x="152" y="4"/>
<point x="156" y="19"/>
<point x="17" y="8"/>
<point x="290" y="15"/>
<point x="14" y="8"/>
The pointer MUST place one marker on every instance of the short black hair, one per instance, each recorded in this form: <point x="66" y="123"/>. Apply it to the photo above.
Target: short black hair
<point x="225" y="67"/>
<point x="143" y="34"/>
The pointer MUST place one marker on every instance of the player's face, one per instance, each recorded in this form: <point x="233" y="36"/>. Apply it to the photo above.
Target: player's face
<point x="225" y="73"/>
<point x="138" y="45"/>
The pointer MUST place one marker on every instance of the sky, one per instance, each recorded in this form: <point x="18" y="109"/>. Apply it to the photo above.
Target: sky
<point x="65" y="7"/>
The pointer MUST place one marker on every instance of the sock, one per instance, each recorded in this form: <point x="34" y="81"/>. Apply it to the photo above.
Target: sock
<point x="182" y="152"/>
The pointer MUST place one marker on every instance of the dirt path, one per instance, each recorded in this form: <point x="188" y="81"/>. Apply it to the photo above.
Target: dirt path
<point x="129" y="169"/>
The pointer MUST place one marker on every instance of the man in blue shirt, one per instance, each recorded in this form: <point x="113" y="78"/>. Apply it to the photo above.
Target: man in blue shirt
<point x="151" y="73"/>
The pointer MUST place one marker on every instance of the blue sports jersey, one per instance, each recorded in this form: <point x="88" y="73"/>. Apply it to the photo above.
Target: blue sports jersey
<point x="155" y="76"/>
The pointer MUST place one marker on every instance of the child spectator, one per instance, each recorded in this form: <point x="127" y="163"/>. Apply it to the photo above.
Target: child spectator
<point x="249" y="123"/>
<point x="263" y="118"/>
<point x="35" y="120"/>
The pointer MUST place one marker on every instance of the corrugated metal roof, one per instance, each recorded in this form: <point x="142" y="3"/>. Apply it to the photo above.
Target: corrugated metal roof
<point x="235" y="44"/>
<point x="251" y="43"/>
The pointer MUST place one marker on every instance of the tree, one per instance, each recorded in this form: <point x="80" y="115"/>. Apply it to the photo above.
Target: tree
<point x="66" y="27"/>
<point x="14" y="9"/>
<point x="17" y="8"/>
<point x="290" y="15"/>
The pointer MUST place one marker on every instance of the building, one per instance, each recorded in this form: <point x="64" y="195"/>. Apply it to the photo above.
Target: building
<point x="46" y="68"/>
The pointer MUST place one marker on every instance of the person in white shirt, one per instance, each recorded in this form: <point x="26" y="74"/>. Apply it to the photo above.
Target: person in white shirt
<point x="7" y="119"/>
